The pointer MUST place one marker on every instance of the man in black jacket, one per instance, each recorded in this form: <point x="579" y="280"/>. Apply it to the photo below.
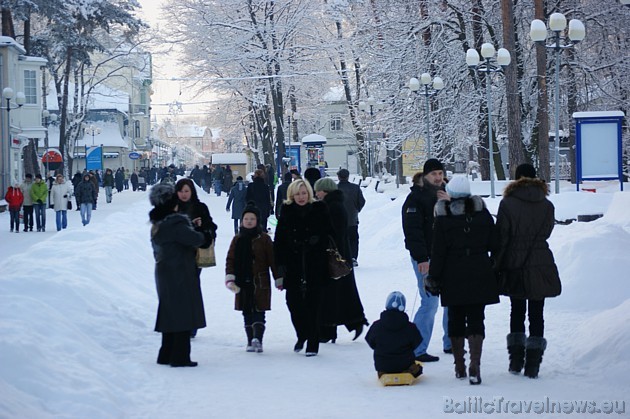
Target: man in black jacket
<point x="417" y="220"/>
<point x="354" y="203"/>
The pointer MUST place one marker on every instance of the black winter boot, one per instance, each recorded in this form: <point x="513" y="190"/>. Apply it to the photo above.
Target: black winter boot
<point x="516" y="349"/>
<point x="534" y="350"/>
<point x="249" y="331"/>
<point x="475" y="343"/>
<point x="458" y="355"/>
<point x="259" y="331"/>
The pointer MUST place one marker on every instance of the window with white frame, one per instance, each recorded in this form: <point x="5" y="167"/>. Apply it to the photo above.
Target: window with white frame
<point x="336" y="122"/>
<point x="30" y="86"/>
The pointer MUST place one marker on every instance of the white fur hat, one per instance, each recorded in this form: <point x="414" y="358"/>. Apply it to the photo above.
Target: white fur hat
<point x="458" y="187"/>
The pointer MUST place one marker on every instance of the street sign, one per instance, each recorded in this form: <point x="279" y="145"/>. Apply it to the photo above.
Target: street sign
<point x="134" y="155"/>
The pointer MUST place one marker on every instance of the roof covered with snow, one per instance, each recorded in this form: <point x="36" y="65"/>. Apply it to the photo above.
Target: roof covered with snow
<point x="229" y="158"/>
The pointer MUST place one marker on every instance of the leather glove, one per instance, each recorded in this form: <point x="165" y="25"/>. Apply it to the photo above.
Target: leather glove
<point x="279" y="283"/>
<point x="431" y="286"/>
<point x="229" y="284"/>
<point x="39" y="201"/>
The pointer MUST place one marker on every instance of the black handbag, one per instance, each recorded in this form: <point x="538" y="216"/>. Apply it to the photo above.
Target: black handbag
<point x="69" y="204"/>
<point x="338" y="267"/>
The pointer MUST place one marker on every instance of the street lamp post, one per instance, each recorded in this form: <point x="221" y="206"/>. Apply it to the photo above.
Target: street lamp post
<point x="414" y="86"/>
<point x="490" y="64"/>
<point x="370" y="106"/>
<point x="538" y="34"/>
<point x="48" y="118"/>
<point x="90" y="130"/>
<point x="8" y="94"/>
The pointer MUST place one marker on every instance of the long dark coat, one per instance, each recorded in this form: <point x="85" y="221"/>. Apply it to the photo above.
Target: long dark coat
<point x="393" y="339"/>
<point x="463" y="237"/>
<point x="353" y="200"/>
<point x="236" y="199"/>
<point x="258" y="191"/>
<point x="175" y="244"/>
<point x="262" y="250"/>
<point x="341" y="302"/>
<point x="300" y="244"/>
<point x="525" y="221"/>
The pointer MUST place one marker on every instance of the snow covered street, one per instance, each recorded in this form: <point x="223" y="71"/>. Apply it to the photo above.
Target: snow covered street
<point x="77" y="310"/>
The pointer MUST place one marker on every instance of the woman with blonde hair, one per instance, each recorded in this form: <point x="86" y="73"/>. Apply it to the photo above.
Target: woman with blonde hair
<point x="301" y="238"/>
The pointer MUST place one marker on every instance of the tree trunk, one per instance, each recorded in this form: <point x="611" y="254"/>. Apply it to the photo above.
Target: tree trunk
<point x="515" y="137"/>
<point x="64" y="105"/>
<point x="542" y="112"/>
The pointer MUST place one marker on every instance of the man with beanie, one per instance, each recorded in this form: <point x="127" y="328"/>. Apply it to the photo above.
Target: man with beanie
<point x="417" y="221"/>
<point x="354" y="202"/>
<point x="393" y="338"/>
<point x="525" y="220"/>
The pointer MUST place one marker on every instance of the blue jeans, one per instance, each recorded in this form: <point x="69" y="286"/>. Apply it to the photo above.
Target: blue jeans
<point x="217" y="187"/>
<point x="86" y="213"/>
<point x="61" y="217"/>
<point x="40" y="216"/>
<point x="108" y="194"/>
<point x="425" y="316"/>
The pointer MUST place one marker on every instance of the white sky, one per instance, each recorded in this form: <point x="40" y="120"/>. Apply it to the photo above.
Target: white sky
<point x="166" y="67"/>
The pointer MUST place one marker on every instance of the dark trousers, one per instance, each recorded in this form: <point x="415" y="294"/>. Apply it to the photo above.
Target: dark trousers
<point x="304" y="308"/>
<point x="15" y="219"/>
<point x="175" y="348"/>
<point x="253" y="316"/>
<point x="466" y="320"/>
<point x="353" y="240"/>
<point x="28" y="217"/>
<point x="534" y="310"/>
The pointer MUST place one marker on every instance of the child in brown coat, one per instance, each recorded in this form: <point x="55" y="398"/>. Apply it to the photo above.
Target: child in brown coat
<point x="247" y="275"/>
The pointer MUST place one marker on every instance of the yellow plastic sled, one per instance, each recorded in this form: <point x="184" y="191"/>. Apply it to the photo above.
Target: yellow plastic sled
<point x="399" y="379"/>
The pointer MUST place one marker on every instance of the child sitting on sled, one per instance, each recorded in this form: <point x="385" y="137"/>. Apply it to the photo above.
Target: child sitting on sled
<point x="393" y="339"/>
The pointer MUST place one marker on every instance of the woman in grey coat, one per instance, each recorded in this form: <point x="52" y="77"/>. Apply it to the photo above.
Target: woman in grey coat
<point x="180" y="307"/>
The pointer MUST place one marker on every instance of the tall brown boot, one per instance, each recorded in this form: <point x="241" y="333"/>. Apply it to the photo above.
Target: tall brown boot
<point x="458" y="355"/>
<point x="475" y="343"/>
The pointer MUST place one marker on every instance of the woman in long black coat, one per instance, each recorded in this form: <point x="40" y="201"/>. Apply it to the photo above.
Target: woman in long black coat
<point x="300" y="242"/>
<point x="525" y="220"/>
<point x="258" y="192"/>
<point x="341" y="301"/>
<point x="461" y="270"/>
<point x="180" y="308"/>
<point x="197" y="211"/>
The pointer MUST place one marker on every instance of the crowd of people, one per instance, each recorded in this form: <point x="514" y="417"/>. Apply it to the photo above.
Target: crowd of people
<point x="461" y="258"/>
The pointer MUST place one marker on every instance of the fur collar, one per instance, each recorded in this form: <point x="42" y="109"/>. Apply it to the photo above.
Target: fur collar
<point x="527" y="189"/>
<point x="459" y="206"/>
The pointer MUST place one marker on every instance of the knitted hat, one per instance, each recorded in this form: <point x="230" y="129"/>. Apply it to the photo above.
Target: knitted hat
<point x="325" y="184"/>
<point x="251" y="207"/>
<point x="431" y="165"/>
<point x="163" y="195"/>
<point x="396" y="301"/>
<point x="525" y="170"/>
<point x="458" y="187"/>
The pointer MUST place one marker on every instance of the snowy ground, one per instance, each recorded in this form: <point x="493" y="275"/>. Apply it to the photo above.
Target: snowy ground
<point x="77" y="310"/>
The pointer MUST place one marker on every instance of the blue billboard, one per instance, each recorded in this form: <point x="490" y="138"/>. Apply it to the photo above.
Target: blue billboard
<point x="94" y="158"/>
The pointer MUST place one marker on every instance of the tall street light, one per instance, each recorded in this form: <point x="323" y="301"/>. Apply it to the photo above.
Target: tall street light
<point x="437" y="85"/>
<point x="489" y="65"/>
<point x="92" y="130"/>
<point x="538" y="34"/>
<point x="8" y="94"/>
<point x="48" y="118"/>
<point x="371" y="106"/>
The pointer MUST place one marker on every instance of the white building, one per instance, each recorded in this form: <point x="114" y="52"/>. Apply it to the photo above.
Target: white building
<point x="18" y="125"/>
